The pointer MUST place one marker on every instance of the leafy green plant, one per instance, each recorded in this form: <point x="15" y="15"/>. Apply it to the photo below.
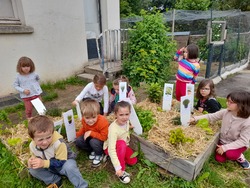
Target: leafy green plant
<point x="146" y="118"/>
<point x="150" y="51"/>
<point x="176" y="120"/>
<point x="14" y="141"/>
<point x="54" y="112"/>
<point x="177" y="136"/>
<point x="204" y="124"/>
<point x="4" y="116"/>
<point x="154" y="91"/>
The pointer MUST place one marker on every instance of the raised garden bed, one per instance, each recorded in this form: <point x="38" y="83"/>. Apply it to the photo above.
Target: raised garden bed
<point x="184" y="160"/>
<point x="184" y="168"/>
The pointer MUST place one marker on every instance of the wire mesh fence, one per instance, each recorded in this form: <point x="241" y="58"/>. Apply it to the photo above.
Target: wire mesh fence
<point x="232" y="53"/>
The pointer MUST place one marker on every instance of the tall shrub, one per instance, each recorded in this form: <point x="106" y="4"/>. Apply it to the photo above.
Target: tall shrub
<point x="150" y="51"/>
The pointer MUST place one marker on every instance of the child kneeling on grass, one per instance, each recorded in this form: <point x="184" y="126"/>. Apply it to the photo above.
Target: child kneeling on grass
<point x="51" y="157"/>
<point x="94" y="131"/>
<point x="235" y="128"/>
<point x="117" y="145"/>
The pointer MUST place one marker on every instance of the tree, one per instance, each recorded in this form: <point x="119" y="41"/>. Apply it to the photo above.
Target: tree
<point x="193" y="4"/>
<point x="150" y="51"/>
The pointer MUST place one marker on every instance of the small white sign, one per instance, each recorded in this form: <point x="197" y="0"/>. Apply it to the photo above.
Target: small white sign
<point x="78" y="111"/>
<point x="58" y="125"/>
<point x="185" y="110"/>
<point x="190" y="92"/>
<point x="167" y="96"/>
<point x="69" y="123"/>
<point x="39" y="106"/>
<point x="122" y="91"/>
<point x="134" y="119"/>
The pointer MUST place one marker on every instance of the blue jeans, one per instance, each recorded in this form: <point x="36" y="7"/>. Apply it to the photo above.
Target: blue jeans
<point x="90" y="144"/>
<point x="69" y="169"/>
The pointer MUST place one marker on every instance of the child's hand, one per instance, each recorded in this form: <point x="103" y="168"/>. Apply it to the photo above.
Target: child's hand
<point x="219" y="150"/>
<point x="87" y="134"/>
<point x="200" y="109"/>
<point x="74" y="103"/>
<point x="119" y="173"/>
<point x="26" y="92"/>
<point x="35" y="163"/>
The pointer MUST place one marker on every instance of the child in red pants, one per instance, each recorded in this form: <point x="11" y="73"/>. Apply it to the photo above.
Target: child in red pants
<point x="117" y="145"/>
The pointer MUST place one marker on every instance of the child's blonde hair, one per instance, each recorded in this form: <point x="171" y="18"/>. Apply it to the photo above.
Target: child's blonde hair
<point x="40" y="123"/>
<point x="99" y="79"/>
<point x="25" y="62"/>
<point x="90" y="108"/>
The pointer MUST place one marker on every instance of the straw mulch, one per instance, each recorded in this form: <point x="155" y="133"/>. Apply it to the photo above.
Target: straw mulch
<point x="159" y="134"/>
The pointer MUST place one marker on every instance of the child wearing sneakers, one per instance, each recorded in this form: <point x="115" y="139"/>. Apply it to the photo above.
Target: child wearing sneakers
<point x="51" y="157"/>
<point x="94" y="131"/>
<point x="235" y="128"/>
<point x="117" y="145"/>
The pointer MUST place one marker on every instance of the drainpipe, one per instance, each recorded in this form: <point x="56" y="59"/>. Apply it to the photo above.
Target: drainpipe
<point x="100" y="15"/>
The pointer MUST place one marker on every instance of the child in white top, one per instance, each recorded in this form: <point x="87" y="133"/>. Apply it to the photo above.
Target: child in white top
<point x="27" y="83"/>
<point x="117" y="145"/>
<point x="96" y="90"/>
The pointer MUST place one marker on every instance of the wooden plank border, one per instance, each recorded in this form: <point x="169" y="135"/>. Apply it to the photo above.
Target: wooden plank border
<point x="185" y="169"/>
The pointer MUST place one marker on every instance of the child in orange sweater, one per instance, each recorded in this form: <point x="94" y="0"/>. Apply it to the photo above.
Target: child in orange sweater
<point x="94" y="131"/>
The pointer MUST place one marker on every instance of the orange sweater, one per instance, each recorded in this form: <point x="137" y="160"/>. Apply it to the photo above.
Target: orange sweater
<point x="99" y="130"/>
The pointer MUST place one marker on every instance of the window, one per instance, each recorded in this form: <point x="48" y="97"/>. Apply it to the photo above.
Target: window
<point x="12" y="18"/>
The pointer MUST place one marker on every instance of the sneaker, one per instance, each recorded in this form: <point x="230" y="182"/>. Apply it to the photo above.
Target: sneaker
<point x="245" y="164"/>
<point x="125" y="178"/>
<point x="92" y="155"/>
<point x="97" y="160"/>
<point x="56" y="185"/>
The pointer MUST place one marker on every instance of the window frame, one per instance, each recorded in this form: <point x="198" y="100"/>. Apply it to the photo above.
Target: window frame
<point x="17" y="23"/>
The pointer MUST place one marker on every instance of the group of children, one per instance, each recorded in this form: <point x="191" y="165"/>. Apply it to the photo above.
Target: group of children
<point x="51" y="157"/>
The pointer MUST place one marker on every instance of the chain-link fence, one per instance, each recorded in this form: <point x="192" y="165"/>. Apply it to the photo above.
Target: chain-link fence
<point x="217" y="58"/>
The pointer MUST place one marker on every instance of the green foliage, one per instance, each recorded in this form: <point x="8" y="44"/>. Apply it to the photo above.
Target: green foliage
<point x="54" y="112"/>
<point x="222" y="101"/>
<point x="14" y="141"/>
<point x="146" y="118"/>
<point x="4" y="116"/>
<point x="204" y="124"/>
<point x="154" y="91"/>
<point x="50" y="96"/>
<point x="177" y="136"/>
<point x="192" y="4"/>
<point x="149" y="51"/>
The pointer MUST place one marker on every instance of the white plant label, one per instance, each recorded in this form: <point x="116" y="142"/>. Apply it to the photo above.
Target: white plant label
<point x="167" y="96"/>
<point x="185" y="110"/>
<point x="69" y="123"/>
<point x="190" y="92"/>
<point x="122" y="91"/>
<point x="39" y="106"/>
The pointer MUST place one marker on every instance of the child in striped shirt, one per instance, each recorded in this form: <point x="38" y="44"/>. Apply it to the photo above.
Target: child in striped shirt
<point x="188" y="68"/>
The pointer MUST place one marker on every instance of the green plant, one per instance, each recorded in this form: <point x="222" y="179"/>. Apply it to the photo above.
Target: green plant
<point x="50" y="97"/>
<point x="4" y="116"/>
<point x="14" y="141"/>
<point x="177" y="136"/>
<point x="150" y="51"/>
<point x="146" y="118"/>
<point x="54" y="112"/>
<point x="204" y="124"/>
<point x="154" y="91"/>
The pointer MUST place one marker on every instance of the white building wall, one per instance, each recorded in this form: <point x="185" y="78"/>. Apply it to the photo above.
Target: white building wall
<point x="57" y="46"/>
<point x="110" y="14"/>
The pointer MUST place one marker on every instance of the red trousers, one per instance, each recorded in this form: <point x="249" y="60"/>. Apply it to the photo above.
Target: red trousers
<point x="124" y="153"/>
<point x="28" y="105"/>
<point x="232" y="155"/>
<point x="180" y="89"/>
